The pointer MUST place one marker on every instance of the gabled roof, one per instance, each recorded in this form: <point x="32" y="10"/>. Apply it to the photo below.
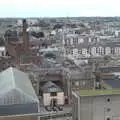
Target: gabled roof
<point x="51" y="87"/>
<point x="14" y="81"/>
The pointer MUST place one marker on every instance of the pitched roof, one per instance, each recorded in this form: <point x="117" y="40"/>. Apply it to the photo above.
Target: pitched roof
<point x="16" y="83"/>
<point x="51" y="87"/>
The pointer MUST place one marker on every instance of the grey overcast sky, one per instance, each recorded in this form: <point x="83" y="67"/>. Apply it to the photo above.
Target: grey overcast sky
<point x="59" y="8"/>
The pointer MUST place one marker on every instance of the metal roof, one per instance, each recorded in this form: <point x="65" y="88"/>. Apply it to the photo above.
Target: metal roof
<point x="16" y="88"/>
<point x="13" y="110"/>
<point x="51" y="87"/>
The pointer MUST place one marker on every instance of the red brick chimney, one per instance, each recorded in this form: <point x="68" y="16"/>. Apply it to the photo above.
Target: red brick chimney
<point x="25" y="35"/>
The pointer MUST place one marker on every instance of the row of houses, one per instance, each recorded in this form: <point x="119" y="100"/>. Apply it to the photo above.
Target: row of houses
<point x="94" y="49"/>
<point x="97" y="50"/>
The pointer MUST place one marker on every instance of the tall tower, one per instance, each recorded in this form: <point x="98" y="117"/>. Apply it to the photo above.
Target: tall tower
<point x="25" y="35"/>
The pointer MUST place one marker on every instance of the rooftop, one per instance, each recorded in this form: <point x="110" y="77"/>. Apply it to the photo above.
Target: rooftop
<point x="98" y="92"/>
<point x="51" y="87"/>
<point x="17" y="95"/>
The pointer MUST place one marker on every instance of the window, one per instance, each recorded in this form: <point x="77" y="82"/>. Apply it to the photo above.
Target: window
<point x="108" y="109"/>
<point x="71" y="51"/>
<point x="108" y="118"/>
<point x="53" y="94"/>
<point x="79" y="51"/>
<point x="108" y="100"/>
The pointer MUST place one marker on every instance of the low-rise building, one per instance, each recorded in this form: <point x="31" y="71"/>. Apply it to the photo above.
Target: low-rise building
<point x="52" y="94"/>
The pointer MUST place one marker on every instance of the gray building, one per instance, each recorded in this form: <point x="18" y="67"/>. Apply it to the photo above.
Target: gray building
<point x="96" y="105"/>
<point x="17" y="96"/>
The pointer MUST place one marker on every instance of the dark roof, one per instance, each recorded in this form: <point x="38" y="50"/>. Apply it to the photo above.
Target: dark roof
<point x="51" y="87"/>
<point x="113" y="83"/>
<point x="18" y="109"/>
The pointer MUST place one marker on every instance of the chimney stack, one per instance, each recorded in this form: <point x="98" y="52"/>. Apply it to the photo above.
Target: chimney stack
<point x="25" y="35"/>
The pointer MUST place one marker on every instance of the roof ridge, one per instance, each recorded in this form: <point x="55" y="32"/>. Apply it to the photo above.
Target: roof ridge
<point x="13" y="77"/>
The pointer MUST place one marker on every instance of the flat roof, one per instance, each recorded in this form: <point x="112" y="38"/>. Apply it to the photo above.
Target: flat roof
<point x="98" y="92"/>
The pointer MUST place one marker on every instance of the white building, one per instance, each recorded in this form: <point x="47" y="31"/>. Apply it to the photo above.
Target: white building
<point x="96" y="105"/>
<point x="52" y="94"/>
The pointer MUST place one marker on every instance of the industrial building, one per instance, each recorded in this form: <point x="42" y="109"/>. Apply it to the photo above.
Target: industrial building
<point x="96" y="105"/>
<point x="18" y="100"/>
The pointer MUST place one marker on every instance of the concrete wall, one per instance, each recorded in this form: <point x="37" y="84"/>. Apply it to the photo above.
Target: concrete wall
<point x="47" y="98"/>
<point x="75" y="111"/>
<point x="98" y="108"/>
<point x="85" y="109"/>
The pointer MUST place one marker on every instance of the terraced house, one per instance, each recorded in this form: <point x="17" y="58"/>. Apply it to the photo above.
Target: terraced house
<point x="87" y="45"/>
